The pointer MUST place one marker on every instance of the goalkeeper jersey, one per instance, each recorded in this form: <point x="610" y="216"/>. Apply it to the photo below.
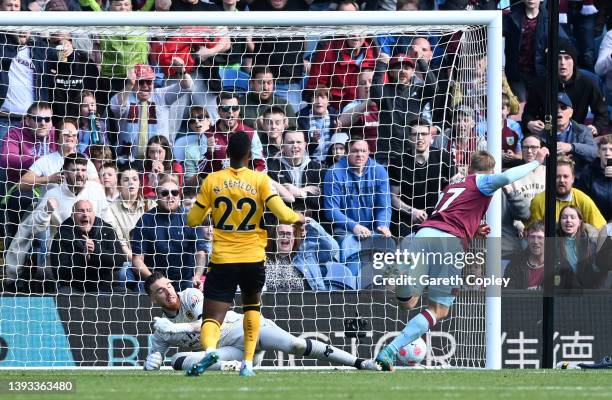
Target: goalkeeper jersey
<point x="236" y="199"/>
<point x="192" y="302"/>
<point x="191" y="307"/>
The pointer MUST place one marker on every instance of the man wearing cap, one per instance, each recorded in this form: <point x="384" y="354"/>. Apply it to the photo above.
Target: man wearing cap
<point x="399" y="101"/>
<point x="143" y="110"/>
<point x="582" y="90"/>
<point x="573" y="139"/>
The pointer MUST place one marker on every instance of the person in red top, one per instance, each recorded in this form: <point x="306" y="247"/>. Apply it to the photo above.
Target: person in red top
<point x="184" y="54"/>
<point x="228" y="123"/>
<point x="511" y="139"/>
<point x="454" y="222"/>
<point x="337" y="65"/>
<point x="159" y="160"/>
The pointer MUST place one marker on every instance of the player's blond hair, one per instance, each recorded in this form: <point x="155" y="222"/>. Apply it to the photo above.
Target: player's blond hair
<point x="482" y="161"/>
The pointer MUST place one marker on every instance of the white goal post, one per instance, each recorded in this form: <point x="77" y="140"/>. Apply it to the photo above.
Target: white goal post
<point x="341" y="22"/>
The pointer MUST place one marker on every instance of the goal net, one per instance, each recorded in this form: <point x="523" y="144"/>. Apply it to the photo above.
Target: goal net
<point x="151" y="108"/>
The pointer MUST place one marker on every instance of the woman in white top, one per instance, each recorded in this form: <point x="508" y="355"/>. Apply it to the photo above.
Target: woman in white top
<point x="128" y="207"/>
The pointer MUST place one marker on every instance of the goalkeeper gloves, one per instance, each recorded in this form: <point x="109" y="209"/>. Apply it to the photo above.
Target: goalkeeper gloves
<point x="164" y="325"/>
<point x="154" y="361"/>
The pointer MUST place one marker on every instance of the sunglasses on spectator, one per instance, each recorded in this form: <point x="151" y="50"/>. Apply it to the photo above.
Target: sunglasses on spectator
<point x="419" y="134"/>
<point x="563" y="107"/>
<point x="166" y="192"/>
<point x="199" y="117"/>
<point x="40" y="119"/>
<point x="229" y="108"/>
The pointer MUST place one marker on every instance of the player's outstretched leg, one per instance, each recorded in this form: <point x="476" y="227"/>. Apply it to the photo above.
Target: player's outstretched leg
<point x="326" y="352"/>
<point x="206" y="362"/>
<point x="274" y="338"/>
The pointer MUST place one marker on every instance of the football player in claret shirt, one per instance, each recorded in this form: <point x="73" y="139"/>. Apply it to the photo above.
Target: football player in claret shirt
<point x="236" y="198"/>
<point x="454" y="222"/>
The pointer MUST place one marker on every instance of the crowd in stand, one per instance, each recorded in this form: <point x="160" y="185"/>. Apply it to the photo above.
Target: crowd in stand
<point x="106" y="138"/>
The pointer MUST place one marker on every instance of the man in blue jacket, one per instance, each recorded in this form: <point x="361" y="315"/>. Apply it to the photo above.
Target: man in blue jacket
<point x="162" y="241"/>
<point x="357" y="199"/>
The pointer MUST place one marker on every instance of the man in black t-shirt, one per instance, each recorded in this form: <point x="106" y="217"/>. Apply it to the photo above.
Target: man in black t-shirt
<point x="422" y="173"/>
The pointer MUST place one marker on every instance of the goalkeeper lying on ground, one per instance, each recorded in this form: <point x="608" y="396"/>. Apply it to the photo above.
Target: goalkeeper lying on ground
<point x="181" y="328"/>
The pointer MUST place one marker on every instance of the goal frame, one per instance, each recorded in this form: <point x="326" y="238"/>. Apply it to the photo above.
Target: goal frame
<point x="491" y="19"/>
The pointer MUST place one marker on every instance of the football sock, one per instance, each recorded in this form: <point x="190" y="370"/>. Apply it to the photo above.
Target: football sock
<point x="209" y="334"/>
<point x="414" y="329"/>
<point x="326" y="352"/>
<point x="250" y="324"/>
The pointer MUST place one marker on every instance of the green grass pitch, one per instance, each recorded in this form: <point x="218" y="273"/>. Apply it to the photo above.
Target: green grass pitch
<point x="325" y="384"/>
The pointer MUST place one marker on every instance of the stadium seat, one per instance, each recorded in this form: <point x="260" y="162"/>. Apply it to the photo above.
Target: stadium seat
<point x="339" y="277"/>
<point x="234" y="80"/>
